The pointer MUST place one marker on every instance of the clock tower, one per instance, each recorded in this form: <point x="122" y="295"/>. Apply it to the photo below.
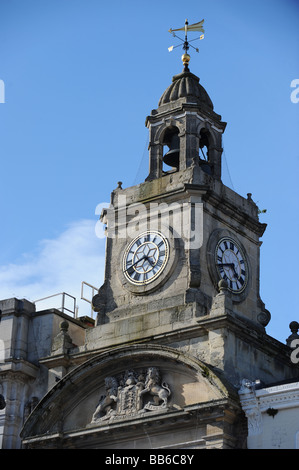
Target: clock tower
<point x="182" y="236"/>
<point x="180" y="321"/>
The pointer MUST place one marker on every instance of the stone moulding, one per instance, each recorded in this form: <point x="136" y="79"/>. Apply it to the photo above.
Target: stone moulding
<point x="184" y="382"/>
<point x="194" y="416"/>
<point x="256" y="402"/>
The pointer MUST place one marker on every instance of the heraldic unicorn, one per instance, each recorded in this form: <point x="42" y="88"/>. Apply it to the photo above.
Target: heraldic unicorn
<point x="132" y="393"/>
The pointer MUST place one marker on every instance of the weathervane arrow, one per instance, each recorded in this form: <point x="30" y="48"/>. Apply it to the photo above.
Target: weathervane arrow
<point x="192" y="27"/>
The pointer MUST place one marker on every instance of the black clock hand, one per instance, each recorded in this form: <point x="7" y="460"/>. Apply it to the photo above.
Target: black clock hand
<point x="236" y="274"/>
<point x="136" y="262"/>
<point x="230" y="265"/>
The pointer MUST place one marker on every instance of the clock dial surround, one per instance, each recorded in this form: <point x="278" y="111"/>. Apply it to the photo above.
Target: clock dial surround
<point x="240" y="290"/>
<point x="231" y="264"/>
<point x="145" y="258"/>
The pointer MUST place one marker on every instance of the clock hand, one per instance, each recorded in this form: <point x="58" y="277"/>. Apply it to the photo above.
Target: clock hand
<point x="236" y="274"/>
<point x="148" y="259"/>
<point x="230" y="265"/>
<point x="136" y="262"/>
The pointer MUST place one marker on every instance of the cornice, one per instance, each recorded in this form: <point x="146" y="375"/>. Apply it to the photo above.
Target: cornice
<point x="21" y="368"/>
<point x="188" y="416"/>
<point x="228" y="208"/>
<point x="256" y="402"/>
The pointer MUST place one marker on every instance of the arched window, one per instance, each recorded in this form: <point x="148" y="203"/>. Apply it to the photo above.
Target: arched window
<point x="171" y="157"/>
<point x="204" y="147"/>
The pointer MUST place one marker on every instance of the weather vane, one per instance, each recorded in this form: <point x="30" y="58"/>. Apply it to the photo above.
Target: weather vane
<point x="186" y="44"/>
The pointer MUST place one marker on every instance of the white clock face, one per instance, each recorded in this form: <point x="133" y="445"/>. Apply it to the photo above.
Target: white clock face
<point x="231" y="264"/>
<point x="145" y="258"/>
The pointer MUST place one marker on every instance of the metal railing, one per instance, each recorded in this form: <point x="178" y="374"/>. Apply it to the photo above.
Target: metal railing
<point x="73" y="309"/>
<point x="62" y="306"/>
<point x="94" y="290"/>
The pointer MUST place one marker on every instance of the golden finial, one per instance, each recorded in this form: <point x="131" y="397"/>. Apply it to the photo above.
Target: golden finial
<point x="186" y="60"/>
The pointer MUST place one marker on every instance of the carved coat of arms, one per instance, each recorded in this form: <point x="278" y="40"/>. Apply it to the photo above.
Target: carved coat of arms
<point x="133" y="392"/>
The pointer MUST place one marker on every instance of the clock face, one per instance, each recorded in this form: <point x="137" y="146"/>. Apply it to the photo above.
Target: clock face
<point x="145" y="258"/>
<point x="231" y="264"/>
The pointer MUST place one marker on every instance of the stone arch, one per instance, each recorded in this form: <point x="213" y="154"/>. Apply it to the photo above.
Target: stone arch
<point x="70" y="404"/>
<point x="167" y="124"/>
<point x="212" y="139"/>
<point x="169" y="135"/>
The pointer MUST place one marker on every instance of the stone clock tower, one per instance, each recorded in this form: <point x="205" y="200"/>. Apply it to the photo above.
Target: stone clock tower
<point x="180" y="322"/>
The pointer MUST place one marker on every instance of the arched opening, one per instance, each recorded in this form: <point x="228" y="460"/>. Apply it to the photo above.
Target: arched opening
<point x="204" y="149"/>
<point x="171" y="149"/>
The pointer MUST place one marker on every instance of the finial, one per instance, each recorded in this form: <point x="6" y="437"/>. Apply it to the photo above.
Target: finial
<point x="186" y="60"/>
<point x="294" y="327"/>
<point x="186" y="44"/>
<point x="64" y="326"/>
<point x="223" y="286"/>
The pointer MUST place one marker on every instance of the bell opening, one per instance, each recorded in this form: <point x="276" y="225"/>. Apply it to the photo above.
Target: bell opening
<point x="204" y="145"/>
<point x="172" y="156"/>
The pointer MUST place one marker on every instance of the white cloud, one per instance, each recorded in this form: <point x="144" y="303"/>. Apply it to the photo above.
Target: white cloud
<point x="58" y="265"/>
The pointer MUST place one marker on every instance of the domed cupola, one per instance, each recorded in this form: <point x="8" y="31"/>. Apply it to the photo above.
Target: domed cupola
<point x="186" y="85"/>
<point x="184" y="128"/>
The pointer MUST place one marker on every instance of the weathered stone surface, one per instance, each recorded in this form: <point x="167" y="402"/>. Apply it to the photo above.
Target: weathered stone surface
<point x="172" y="400"/>
<point x="162" y="366"/>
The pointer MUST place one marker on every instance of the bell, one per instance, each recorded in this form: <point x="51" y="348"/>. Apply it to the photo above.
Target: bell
<point x="172" y="157"/>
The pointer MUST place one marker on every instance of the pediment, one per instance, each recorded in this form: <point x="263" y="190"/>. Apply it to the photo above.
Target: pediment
<point x="134" y="383"/>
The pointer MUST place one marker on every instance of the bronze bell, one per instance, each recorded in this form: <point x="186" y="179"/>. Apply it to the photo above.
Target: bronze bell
<point x="172" y="157"/>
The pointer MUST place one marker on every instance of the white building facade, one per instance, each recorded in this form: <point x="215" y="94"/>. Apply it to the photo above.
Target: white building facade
<point x="272" y="414"/>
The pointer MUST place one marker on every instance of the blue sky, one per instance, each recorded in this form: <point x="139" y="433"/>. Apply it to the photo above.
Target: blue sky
<point x="80" y="78"/>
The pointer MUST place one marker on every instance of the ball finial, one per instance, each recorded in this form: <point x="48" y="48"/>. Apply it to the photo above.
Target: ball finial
<point x="186" y="60"/>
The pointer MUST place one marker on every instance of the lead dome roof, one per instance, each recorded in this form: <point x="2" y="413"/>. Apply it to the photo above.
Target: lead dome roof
<point x="186" y="85"/>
